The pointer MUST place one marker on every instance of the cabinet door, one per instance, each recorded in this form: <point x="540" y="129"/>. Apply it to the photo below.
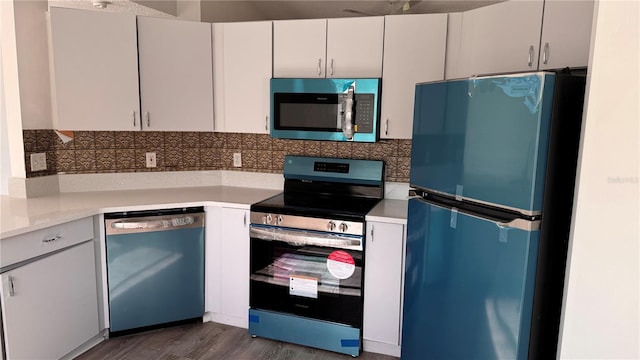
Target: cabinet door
<point x="229" y="287"/>
<point x="354" y="47"/>
<point x="176" y="82"/>
<point x="243" y="70"/>
<point x="407" y="62"/>
<point x="95" y="70"/>
<point x="50" y="306"/>
<point x="501" y="38"/>
<point x="299" y="48"/>
<point x="383" y="282"/>
<point x="563" y="45"/>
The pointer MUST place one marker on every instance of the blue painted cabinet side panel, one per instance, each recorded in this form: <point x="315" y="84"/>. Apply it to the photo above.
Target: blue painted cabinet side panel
<point x="484" y="138"/>
<point x="155" y="277"/>
<point x="468" y="289"/>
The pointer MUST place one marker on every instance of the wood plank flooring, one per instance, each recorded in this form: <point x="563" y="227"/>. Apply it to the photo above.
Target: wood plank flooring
<point x="208" y="341"/>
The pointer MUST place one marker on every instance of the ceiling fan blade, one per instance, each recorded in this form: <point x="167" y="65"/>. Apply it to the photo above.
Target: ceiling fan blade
<point x="360" y="12"/>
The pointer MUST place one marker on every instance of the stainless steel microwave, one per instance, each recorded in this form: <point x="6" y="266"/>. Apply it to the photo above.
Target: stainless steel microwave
<point x="325" y="109"/>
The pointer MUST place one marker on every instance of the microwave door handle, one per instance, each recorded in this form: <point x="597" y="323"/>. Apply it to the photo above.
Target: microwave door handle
<point x="347" y="125"/>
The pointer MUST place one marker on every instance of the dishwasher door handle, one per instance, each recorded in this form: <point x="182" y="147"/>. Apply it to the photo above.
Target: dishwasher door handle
<point x="122" y="226"/>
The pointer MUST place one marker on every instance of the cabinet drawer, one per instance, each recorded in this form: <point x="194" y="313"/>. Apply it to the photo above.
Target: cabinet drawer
<point x="23" y="247"/>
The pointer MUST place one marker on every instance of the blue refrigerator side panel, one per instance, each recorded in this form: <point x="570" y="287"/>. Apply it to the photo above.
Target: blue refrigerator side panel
<point x="484" y="139"/>
<point x="468" y="286"/>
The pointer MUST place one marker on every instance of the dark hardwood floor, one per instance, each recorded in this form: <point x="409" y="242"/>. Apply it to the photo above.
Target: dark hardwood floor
<point x="208" y="341"/>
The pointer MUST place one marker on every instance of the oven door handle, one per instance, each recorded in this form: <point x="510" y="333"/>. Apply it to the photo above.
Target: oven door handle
<point x="302" y="238"/>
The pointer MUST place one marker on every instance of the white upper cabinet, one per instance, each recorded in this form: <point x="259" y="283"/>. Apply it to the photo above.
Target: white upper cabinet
<point x="500" y="38"/>
<point x="514" y="36"/>
<point x="176" y="82"/>
<point x="562" y="44"/>
<point x="95" y="70"/>
<point x="299" y="48"/>
<point x="345" y="47"/>
<point x="354" y="47"/>
<point x="406" y="63"/>
<point x="242" y="53"/>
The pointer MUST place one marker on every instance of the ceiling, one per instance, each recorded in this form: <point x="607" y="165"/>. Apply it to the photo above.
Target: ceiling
<point x="240" y="10"/>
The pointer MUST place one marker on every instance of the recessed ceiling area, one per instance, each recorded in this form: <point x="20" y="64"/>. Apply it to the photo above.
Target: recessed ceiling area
<point x="241" y="10"/>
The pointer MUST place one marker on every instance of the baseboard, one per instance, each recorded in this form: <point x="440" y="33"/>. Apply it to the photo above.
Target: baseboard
<point x="241" y="322"/>
<point x="102" y="335"/>
<point x="380" y="348"/>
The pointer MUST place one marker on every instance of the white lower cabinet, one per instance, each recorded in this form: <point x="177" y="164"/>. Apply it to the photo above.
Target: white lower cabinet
<point x="49" y="306"/>
<point x="227" y="265"/>
<point x="383" y="279"/>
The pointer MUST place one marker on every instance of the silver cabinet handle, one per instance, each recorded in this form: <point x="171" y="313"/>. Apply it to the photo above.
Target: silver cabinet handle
<point x="319" y="67"/>
<point x="545" y="53"/>
<point x="148" y="119"/>
<point x="57" y="237"/>
<point x="530" y="55"/>
<point x="266" y="123"/>
<point x="133" y="115"/>
<point x="12" y="291"/>
<point x="244" y="220"/>
<point x="371" y="233"/>
<point x="331" y="68"/>
<point x="386" y="127"/>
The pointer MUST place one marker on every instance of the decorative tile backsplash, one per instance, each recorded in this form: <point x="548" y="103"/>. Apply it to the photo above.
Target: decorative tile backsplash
<point x="124" y="151"/>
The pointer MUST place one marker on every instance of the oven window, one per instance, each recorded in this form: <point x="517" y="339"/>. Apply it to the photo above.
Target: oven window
<point x="318" y="282"/>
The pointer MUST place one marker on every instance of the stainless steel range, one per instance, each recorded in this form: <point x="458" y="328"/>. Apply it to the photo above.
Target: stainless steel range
<point x="307" y="258"/>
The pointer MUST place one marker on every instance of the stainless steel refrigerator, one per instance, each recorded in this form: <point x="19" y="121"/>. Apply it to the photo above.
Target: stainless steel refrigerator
<point x="493" y="165"/>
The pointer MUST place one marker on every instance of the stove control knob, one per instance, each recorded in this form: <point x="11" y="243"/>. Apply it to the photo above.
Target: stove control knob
<point x="331" y="226"/>
<point x="279" y="219"/>
<point x="268" y="219"/>
<point x="343" y="227"/>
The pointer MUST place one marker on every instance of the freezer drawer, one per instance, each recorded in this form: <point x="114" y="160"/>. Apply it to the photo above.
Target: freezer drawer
<point x="468" y="286"/>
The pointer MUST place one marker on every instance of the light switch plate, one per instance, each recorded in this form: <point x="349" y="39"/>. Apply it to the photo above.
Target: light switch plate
<point x="38" y="161"/>
<point x="151" y="159"/>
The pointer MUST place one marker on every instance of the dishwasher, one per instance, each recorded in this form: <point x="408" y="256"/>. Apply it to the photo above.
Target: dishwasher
<point x="155" y="268"/>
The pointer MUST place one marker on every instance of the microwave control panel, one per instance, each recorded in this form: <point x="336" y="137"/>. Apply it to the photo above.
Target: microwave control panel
<point x="364" y="112"/>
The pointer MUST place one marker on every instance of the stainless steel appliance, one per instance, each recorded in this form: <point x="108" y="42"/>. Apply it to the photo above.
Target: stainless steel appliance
<point x="493" y="163"/>
<point x="307" y="259"/>
<point x="155" y="268"/>
<point x="325" y="109"/>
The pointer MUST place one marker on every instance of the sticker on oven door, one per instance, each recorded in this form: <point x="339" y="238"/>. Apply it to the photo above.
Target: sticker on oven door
<point x="341" y="264"/>
<point x="303" y="286"/>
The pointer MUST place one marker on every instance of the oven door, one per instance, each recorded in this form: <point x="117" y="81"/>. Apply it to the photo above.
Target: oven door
<point x="307" y="273"/>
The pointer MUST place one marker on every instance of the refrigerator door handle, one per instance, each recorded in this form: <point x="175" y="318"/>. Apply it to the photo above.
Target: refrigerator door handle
<point x="521" y="224"/>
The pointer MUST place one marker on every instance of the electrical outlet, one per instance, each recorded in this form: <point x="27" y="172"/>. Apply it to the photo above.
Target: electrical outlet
<point x="38" y="161"/>
<point x="237" y="159"/>
<point x="151" y="159"/>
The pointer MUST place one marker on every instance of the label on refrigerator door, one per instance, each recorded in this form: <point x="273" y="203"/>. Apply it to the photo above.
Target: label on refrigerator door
<point x="340" y="264"/>
<point x="303" y="286"/>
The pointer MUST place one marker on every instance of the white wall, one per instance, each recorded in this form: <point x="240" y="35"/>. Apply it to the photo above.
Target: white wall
<point x="11" y="88"/>
<point x="601" y="317"/>
<point x="5" y="161"/>
<point x="33" y="64"/>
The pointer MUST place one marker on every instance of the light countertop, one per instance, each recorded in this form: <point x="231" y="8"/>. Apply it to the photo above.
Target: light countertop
<point x="389" y="211"/>
<point x="19" y="216"/>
